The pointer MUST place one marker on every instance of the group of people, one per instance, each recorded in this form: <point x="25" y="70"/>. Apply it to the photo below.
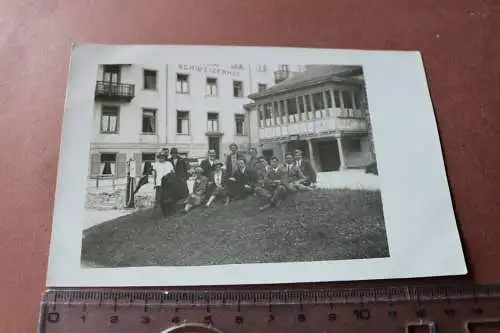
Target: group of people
<point x="235" y="178"/>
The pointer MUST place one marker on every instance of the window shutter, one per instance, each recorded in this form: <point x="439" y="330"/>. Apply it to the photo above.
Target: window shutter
<point x="138" y="164"/>
<point x="121" y="165"/>
<point x="95" y="165"/>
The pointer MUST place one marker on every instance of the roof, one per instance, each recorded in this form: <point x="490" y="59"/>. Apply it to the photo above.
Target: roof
<point x="313" y="75"/>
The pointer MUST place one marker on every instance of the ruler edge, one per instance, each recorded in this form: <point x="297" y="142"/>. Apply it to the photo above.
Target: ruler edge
<point x="337" y="295"/>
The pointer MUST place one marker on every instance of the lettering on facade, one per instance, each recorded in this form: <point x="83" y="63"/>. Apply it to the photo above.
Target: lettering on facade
<point x="261" y="68"/>
<point x="211" y="69"/>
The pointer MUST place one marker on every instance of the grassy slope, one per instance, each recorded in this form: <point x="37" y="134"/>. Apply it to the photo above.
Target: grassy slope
<point x="319" y="225"/>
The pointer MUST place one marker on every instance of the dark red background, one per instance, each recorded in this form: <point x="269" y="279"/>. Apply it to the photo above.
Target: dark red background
<point x="459" y="40"/>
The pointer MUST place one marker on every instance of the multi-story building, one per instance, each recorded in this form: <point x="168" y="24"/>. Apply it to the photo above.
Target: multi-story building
<point x="140" y="109"/>
<point x="320" y="111"/>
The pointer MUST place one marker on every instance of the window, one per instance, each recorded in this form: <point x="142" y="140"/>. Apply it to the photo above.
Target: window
<point x="336" y="97"/>
<point x="301" y="104"/>
<point x="347" y="99"/>
<point x="239" y="120"/>
<point x="308" y="103"/>
<point x="149" y="121"/>
<point x="182" y="84"/>
<point x="211" y="86"/>
<point x="149" y="79"/>
<point x="319" y="104"/>
<point x="318" y="101"/>
<point x="282" y="111"/>
<point x="352" y="145"/>
<point x="109" y="119"/>
<point x="277" y="114"/>
<point x="267" y="114"/>
<point x="328" y="99"/>
<point x="357" y="100"/>
<point x="111" y="74"/>
<point x="260" y="111"/>
<point x="262" y="87"/>
<point x="238" y="89"/>
<point x="183" y="122"/>
<point x="108" y="164"/>
<point x="213" y="122"/>
<point x="147" y="163"/>
<point x="292" y="110"/>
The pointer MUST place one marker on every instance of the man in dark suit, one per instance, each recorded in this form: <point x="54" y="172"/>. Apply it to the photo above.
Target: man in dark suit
<point x="217" y="185"/>
<point x="243" y="182"/>
<point x="208" y="164"/>
<point x="276" y="184"/>
<point x="181" y="171"/>
<point x="296" y="177"/>
<point x="232" y="159"/>
<point x="306" y="167"/>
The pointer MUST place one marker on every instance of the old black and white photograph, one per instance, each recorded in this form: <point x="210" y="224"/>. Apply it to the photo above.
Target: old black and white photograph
<point x="195" y="165"/>
<point x="203" y="165"/>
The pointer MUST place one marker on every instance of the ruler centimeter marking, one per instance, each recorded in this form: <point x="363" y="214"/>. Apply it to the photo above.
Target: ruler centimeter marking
<point x="395" y="309"/>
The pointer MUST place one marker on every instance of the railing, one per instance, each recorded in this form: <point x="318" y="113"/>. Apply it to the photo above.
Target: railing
<point x="114" y="91"/>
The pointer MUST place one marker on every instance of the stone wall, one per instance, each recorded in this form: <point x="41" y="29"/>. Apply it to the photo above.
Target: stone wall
<point x="115" y="199"/>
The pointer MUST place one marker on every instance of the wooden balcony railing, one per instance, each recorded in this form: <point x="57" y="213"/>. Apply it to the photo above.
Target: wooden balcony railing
<point x="112" y="91"/>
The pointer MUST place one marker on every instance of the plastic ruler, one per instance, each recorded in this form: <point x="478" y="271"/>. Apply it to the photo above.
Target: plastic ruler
<point x="443" y="309"/>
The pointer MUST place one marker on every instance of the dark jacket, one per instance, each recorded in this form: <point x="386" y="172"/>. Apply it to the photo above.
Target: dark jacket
<point x="308" y="170"/>
<point x="249" y="177"/>
<point x="295" y="174"/>
<point x="229" y="162"/>
<point x="207" y="168"/>
<point x="181" y="168"/>
<point x="200" y="185"/>
<point x="279" y="177"/>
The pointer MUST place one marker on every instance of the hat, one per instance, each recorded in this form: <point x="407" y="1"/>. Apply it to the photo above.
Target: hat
<point x="198" y="170"/>
<point x="218" y="162"/>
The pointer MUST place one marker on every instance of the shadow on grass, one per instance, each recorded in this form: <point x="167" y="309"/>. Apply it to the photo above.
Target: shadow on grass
<point x="311" y="226"/>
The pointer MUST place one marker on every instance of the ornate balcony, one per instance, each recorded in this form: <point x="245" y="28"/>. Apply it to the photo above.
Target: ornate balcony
<point x="114" y="92"/>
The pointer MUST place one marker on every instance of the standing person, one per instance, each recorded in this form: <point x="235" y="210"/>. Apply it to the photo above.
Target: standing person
<point x="208" y="164"/>
<point x="276" y="184"/>
<point x="252" y="159"/>
<point x="163" y="172"/>
<point x="296" y="177"/>
<point x="181" y="172"/>
<point x="243" y="182"/>
<point x="306" y="167"/>
<point x="232" y="158"/>
<point x="217" y="185"/>
<point x="199" y="190"/>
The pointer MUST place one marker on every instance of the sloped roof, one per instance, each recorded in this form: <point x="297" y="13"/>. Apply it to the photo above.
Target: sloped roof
<point x="314" y="74"/>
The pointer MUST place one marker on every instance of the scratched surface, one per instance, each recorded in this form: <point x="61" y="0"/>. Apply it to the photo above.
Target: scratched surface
<point x="459" y="40"/>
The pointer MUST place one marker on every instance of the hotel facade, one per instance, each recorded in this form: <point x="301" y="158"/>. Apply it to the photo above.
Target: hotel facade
<point x="140" y="109"/>
<point x="322" y="111"/>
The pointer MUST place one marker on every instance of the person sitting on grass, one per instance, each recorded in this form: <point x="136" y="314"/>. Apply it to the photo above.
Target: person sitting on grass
<point x="306" y="167"/>
<point x="244" y="182"/>
<point x="276" y="184"/>
<point x="217" y="185"/>
<point x="198" y="194"/>
<point x="296" y="177"/>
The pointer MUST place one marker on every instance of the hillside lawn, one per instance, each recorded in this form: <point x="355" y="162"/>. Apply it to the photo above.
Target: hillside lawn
<point x="325" y="224"/>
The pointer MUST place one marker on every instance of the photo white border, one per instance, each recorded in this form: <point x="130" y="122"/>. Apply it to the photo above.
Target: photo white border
<point x="419" y="218"/>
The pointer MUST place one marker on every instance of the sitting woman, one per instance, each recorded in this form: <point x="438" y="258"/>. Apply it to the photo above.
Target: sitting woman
<point x="217" y="184"/>
<point x="200" y="186"/>
<point x="169" y="190"/>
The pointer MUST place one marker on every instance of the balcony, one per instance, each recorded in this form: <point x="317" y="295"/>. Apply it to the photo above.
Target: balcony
<point x="114" y="92"/>
<point x="339" y="122"/>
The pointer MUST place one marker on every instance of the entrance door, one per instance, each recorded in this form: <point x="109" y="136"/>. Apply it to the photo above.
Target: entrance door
<point x="214" y="143"/>
<point x="329" y="158"/>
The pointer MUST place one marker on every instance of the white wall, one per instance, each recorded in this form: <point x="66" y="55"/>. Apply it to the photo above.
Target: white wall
<point x="130" y="115"/>
<point x="198" y="104"/>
